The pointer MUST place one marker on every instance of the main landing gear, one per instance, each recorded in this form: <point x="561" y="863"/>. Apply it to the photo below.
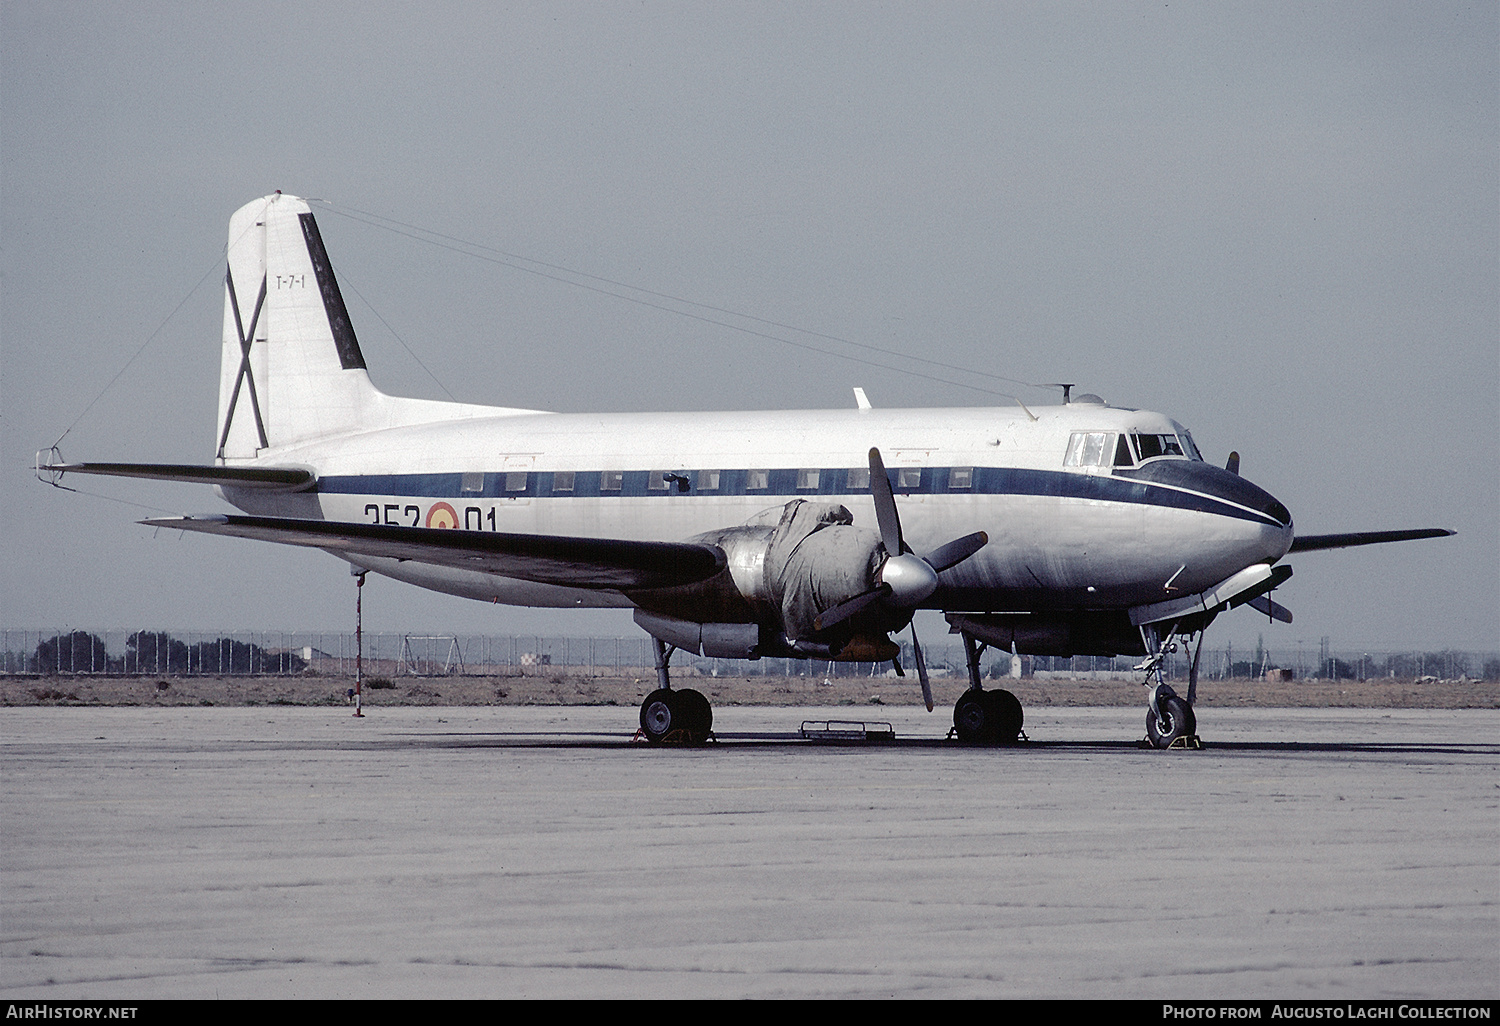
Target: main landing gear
<point x="985" y="717"/>
<point x="667" y="716"/>
<point x="1170" y="722"/>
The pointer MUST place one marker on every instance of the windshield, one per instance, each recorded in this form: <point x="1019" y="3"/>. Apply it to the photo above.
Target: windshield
<point x="1149" y="447"/>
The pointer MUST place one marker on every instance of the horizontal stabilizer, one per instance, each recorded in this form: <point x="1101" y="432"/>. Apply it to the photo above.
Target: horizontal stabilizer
<point x="595" y="563"/>
<point x="1312" y="542"/>
<point x="271" y="479"/>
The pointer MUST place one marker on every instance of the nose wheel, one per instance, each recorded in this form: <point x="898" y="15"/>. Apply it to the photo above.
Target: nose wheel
<point x="1170" y="722"/>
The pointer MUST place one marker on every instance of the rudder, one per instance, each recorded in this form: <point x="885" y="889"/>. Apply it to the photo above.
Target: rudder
<point x="291" y="369"/>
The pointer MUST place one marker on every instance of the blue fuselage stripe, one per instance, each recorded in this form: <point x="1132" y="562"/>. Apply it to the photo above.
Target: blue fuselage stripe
<point x="782" y="484"/>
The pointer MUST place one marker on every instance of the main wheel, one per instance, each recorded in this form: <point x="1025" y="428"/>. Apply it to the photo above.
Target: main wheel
<point x="1173" y="718"/>
<point x="1005" y="716"/>
<point x="695" y="715"/>
<point x="659" y="715"/>
<point x="973" y="718"/>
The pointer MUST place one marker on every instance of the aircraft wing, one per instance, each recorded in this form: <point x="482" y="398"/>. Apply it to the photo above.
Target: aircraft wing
<point x="1313" y="542"/>
<point x="596" y="563"/>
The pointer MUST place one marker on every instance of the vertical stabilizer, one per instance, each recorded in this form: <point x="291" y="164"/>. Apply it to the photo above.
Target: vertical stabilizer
<point x="291" y="368"/>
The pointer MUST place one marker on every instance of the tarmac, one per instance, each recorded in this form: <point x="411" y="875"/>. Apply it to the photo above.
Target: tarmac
<point x="537" y="852"/>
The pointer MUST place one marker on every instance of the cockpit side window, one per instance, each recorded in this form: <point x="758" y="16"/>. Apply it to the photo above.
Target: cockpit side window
<point x="1189" y="444"/>
<point x="1122" y="453"/>
<point x="1088" y="449"/>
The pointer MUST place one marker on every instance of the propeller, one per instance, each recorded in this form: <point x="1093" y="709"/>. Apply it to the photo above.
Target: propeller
<point x="905" y="579"/>
<point x="1274" y="610"/>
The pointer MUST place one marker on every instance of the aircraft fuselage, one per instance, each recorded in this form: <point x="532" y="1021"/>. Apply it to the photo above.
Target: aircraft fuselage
<point x="1091" y="535"/>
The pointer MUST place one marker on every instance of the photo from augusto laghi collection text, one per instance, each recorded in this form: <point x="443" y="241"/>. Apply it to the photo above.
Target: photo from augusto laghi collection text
<point x="1264" y="1010"/>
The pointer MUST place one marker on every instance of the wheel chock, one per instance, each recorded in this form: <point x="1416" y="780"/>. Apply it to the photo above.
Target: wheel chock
<point x="1186" y="743"/>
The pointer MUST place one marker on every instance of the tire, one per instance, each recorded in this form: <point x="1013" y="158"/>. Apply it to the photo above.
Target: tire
<point x="1175" y="719"/>
<point x="660" y="715"/>
<point x="973" y="718"/>
<point x="1005" y="716"/>
<point x="696" y="715"/>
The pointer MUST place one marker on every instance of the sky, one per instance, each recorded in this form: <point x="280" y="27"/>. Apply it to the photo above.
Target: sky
<point x="1276" y="223"/>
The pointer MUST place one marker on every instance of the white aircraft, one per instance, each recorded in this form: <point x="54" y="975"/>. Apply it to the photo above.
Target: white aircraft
<point x="1073" y="529"/>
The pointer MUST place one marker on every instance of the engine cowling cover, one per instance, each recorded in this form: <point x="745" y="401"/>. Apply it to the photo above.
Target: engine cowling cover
<point x="783" y="576"/>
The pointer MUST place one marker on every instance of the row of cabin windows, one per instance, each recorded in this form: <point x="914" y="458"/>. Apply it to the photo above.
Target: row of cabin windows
<point x="1105" y="448"/>
<point x="907" y="478"/>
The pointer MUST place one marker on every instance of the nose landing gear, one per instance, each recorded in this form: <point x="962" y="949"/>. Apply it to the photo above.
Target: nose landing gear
<point x="1170" y="722"/>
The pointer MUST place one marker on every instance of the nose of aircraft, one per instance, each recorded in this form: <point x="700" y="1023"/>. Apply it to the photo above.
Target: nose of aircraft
<point x="1237" y="495"/>
<point x="1279" y="539"/>
<point x="1276" y="527"/>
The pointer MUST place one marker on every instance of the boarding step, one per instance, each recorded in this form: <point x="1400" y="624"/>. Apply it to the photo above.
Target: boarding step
<point x="848" y="730"/>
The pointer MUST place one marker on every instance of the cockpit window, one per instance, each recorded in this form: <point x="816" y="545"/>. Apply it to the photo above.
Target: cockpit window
<point x="1089" y="449"/>
<point x="1122" y="453"/>
<point x="1189" y="444"/>
<point x="1148" y="447"/>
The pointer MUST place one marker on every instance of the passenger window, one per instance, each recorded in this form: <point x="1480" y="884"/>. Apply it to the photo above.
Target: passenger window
<point x="473" y="483"/>
<point x="708" y="480"/>
<point x="961" y="477"/>
<point x="611" y="480"/>
<point x="757" y="480"/>
<point x="657" y="482"/>
<point x="807" y="479"/>
<point x="909" y="477"/>
<point x="859" y="479"/>
<point x="562" y="481"/>
<point x="515" y="481"/>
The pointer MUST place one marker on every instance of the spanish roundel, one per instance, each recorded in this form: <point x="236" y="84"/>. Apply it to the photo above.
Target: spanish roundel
<point x="442" y="515"/>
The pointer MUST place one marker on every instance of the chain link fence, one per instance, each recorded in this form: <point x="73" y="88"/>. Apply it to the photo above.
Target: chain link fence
<point x="389" y="654"/>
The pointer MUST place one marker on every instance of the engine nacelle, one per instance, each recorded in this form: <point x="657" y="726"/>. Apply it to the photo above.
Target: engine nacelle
<point x="777" y="579"/>
<point x="719" y="640"/>
<point x="1054" y="633"/>
<point x="753" y="641"/>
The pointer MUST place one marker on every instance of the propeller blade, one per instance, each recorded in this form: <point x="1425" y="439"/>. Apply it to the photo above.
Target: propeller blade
<point x="956" y="551"/>
<point x="905" y="579"/>
<point x="1275" y="610"/>
<point x="1233" y="466"/>
<point x="844" y="610"/>
<point x="916" y="651"/>
<point x="885" y="506"/>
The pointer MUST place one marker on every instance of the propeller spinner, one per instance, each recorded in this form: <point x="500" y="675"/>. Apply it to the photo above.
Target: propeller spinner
<point x="904" y="579"/>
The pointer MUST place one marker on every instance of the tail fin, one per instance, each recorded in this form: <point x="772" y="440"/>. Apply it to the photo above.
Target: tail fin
<point x="291" y="368"/>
